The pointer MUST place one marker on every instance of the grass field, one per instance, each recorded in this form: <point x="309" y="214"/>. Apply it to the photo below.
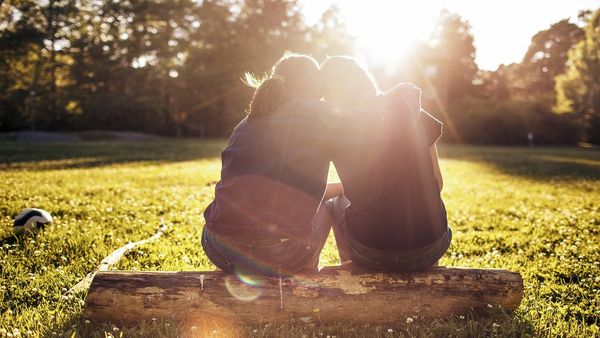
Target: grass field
<point x="533" y="211"/>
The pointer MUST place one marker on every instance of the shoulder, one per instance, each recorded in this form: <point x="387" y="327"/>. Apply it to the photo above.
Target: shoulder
<point x="240" y="127"/>
<point x="241" y="124"/>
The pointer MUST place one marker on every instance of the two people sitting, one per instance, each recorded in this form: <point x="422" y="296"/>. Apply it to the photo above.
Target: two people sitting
<point x="273" y="208"/>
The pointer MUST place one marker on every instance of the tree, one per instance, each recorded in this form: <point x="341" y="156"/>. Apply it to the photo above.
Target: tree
<point x="547" y="56"/>
<point x="126" y="59"/>
<point x="494" y="85"/>
<point x="578" y="89"/>
<point x="455" y="56"/>
<point x="235" y="37"/>
<point x="170" y="67"/>
<point x="33" y="47"/>
<point x="329" y="36"/>
<point x="211" y="73"/>
<point x="18" y="39"/>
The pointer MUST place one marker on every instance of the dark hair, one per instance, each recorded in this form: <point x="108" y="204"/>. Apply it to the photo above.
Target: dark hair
<point x="353" y="83"/>
<point x="293" y="76"/>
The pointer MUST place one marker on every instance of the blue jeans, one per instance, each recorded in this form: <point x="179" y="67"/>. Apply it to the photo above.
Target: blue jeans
<point x="274" y="256"/>
<point x="367" y="257"/>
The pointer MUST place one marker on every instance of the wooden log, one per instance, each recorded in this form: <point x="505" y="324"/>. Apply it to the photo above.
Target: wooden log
<point x="331" y="295"/>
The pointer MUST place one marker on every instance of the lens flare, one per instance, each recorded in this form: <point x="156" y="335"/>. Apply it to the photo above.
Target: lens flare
<point x="243" y="286"/>
<point x="249" y="279"/>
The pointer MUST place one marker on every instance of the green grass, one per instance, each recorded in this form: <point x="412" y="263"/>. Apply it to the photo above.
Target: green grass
<point x="532" y="211"/>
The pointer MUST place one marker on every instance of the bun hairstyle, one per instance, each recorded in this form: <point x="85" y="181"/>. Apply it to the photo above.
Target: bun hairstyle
<point x="294" y="76"/>
<point x="345" y="81"/>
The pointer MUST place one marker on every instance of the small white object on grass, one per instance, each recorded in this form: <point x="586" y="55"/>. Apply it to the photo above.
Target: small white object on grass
<point x="31" y="219"/>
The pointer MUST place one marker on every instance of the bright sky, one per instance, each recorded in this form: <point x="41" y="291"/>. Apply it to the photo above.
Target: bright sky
<point x="502" y="29"/>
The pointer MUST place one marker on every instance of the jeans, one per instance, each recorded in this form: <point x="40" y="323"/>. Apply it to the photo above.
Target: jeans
<point x="351" y="249"/>
<point x="269" y="256"/>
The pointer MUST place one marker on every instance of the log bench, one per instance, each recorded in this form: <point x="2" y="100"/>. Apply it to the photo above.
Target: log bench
<point x="333" y="294"/>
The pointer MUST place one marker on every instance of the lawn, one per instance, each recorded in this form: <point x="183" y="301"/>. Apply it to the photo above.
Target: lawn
<point x="535" y="211"/>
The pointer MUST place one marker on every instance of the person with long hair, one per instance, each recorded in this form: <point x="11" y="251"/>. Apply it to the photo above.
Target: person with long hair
<point x="265" y="216"/>
<point x="391" y="215"/>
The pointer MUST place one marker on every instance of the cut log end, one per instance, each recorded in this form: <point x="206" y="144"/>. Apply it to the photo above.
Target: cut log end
<point x="334" y="294"/>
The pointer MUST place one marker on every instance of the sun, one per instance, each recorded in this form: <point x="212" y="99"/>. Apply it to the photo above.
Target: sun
<point x="387" y="30"/>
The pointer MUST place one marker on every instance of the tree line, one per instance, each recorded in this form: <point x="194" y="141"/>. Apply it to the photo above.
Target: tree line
<point x="174" y="67"/>
<point x="167" y="67"/>
<point x="552" y="94"/>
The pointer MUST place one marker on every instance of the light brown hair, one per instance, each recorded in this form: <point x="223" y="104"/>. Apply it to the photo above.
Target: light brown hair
<point x="294" y="76"/>
<point x="345" y="81"/>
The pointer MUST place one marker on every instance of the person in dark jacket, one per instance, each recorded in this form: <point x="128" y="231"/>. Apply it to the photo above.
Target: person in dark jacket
<point x="266" y="216"/>
<point x="391" y="215"/>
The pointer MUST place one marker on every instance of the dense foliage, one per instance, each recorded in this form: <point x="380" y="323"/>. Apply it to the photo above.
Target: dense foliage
<point x="509" y="122"/>
<point x="520" y="98"/>
<point x="174" y="68"/>
<point x="169" y="67"/>
<point x="578" y="88"/>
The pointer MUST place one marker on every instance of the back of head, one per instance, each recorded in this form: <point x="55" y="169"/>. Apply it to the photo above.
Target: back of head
<point x="294" y="76"/>
<point x="346" y="82"/>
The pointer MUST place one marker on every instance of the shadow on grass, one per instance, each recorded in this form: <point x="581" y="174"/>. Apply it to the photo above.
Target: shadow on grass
<point x="9" y="240"/>
<point x="19" y="237"/>
<point x="539" y="163"/>
<point x="68" y="155"/>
